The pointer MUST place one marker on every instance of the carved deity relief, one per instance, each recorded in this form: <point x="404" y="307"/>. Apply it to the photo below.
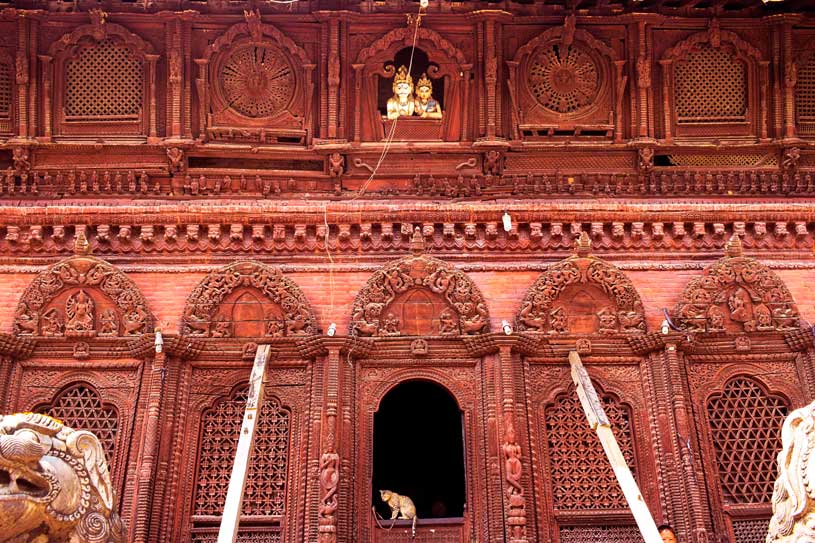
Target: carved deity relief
<point x="736" y="294"/>
<point x="419" y="295"/>
<point x="247" y="299"/>
<point x="66" y="299"/>
<point x="426" y="106"/>
<point x="582" y="294"/>
<point x="402" y="103"/>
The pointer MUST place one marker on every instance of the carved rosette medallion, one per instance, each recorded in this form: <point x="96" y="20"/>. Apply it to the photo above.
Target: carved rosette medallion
<point x="736" y="294"/>
<point x="247" y="299"/>
<point x="563" y="78"/>
<point x="419" y="295"/>
<point x="582" y="294"/>
<point x="66" y="299"/>
<point x="257" y="80"/>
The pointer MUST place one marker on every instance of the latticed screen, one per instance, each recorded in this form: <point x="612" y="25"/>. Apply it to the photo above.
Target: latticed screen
<point x="563" y="78"/>
<point x="81" y="408"/>
<point x="600" y="534"/>
<point x="257" y="81"/>
<point x="582" y="478"/>
<point x="750" y="531"/>
<point x="244" y="536"/>
<point x="266" y="480"/>
<point x="805" y="92"/>
<point x="745" y="424"/>
<point x="710" y="85"/>
<point x="104" y="82"/>
<point x="5" y="89"/>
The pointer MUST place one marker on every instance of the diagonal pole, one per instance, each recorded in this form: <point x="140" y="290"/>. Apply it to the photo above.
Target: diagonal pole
<point x="228" y="532"/>
<point x="598" y="421"/>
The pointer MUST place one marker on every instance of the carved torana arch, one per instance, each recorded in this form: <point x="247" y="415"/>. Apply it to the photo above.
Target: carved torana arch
<point x="82" y="296"/>
<point x="419" y="295"/>
<point x="247" y="299"/>
<point x="582" y="294"/>
<point x="736" y="294"/>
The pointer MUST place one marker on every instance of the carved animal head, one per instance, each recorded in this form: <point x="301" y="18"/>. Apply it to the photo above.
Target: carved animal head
<point x="54" y="484"/>
<point x="794" y="492"/>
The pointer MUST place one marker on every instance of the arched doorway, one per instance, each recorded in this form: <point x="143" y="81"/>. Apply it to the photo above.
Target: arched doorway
<point x="419" y="450"/>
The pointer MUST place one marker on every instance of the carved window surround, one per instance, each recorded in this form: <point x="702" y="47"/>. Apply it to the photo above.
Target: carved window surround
<point x="447" y="62"/>
<point x="566" y="82"/>
<point x="253" y="105"/>
<point x="753" y="123"/>
<point x="59" y="123"/>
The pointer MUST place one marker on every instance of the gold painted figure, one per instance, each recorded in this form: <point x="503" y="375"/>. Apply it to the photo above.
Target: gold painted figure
<point x="402" y="103"/>
<point x="425" y="105"/>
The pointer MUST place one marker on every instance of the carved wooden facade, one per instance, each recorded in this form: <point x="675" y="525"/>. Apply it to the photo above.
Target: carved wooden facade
<point x="223" y="172"/>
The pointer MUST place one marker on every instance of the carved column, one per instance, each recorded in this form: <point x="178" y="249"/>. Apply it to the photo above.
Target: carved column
<point x="329" y="468"/>
<point x="643" y="79"/>
<point x="147" y="461"/>
<point x="203" y="97"/>
<point x="515" y="501"/>
<point x="790" y="80"/>
<point x="151" y="79"/>
<point x="47" y="91"/>
<point x="357" y="100"/>
<point x="175" y="70"/>
<point x="334" y="71"/>
<point x="620" y="80"/>
<point x="667" y="75"/>
<point x="490" y="76"/>
<point x="22" y="76"/>
<point x="688" y="448"/>
<point x="764" y="82"/>
<point x="186" y="32"/>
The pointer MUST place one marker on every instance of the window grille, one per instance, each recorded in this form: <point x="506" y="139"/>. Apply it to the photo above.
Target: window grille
<point x="805" y="97"/>
<point x="104" y="83"/>
<point x="710" y="86"/>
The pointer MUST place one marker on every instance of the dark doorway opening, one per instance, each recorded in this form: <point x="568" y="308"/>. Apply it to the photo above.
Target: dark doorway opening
<point x="419" y="450"/>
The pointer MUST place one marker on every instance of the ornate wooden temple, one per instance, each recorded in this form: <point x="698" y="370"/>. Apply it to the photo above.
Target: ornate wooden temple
<point x="422" y="211"/>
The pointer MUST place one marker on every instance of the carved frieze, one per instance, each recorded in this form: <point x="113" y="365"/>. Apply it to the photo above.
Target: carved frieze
<point x="82" y="296"/>
<point x="582" y="294"/>
<point x="736" y="294"/>
<point x="247" y="299"/>
<point x="419" y="295"/>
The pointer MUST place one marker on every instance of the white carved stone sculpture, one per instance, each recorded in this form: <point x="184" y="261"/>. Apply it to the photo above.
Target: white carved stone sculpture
<point x="793" y="518"/>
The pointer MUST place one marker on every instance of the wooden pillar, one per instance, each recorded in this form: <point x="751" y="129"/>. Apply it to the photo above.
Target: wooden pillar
<point x="620" y="81"/>
<point x="515" y="501"/>
<point x="643" y="79"/>
<point x="667" y="75"/>
<point x="490" y="76"/>
<point x="47" y="91"/>
<point x="152" y="109"/>
<point x="203" y="97"/>
<point x="790" y="80"/>
<point x="329" y="468"/>
<point x="334" y="71"/>
<point x="175" y="72"/>
<point x="151" y="438"/>
<point x="357" y="101"/>
<point x="764" y="83"/>
<point x="22" y="76"/>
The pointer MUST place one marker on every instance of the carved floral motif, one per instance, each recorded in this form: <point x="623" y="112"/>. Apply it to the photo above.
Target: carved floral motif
<point x="289" y="312"/>
<point x="544" y="310"/>
<point x="64" y="299"/>
<point x="736" y="294"/>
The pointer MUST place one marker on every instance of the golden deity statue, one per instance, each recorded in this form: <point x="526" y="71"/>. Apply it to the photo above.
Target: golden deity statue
<point x="425" y="105"/>
<point x="402" y="102"/>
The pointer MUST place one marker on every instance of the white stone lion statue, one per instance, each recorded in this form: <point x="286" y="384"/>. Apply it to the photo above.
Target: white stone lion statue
<point x="793" y="518"/>
<point x="54" y="484"/>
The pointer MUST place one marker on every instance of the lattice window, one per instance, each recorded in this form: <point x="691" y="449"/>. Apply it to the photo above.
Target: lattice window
<point x="745" y="425"/>
<point x="582" y="478"/>
<point x="5" y="89"/>
<point x="104" y="82"/>
<point x="266" y="481"/>
<point x="600" y="534"/>
<point x="750" y="531"/>
<point x="81" y="408"/>
<point x="710" y="85"/>
<point x="805" y="92"/>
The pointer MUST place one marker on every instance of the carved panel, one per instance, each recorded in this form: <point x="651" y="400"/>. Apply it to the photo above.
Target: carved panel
<point x="736" y="294"/>
<point x="600" y="534"/>
<point x="745" y="423"/>
<point x="750" y="530"/>
<point x="582" y="478"/>
<point x="247" y="299"/>
<point x="582" y="294"/>
<point x="7" y="72"/>
<point x="711" y="86"/>
<point x="419" y="295"/>
<point x="82" y="296"/>
<point x="257" y="80"/>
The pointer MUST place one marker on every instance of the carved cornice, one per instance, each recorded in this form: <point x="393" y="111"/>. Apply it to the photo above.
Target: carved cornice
<point x="404" y="35"/>
<point x="99" y="32"/>
<point x="354" y="347"/>
<point x="182" y="348"/>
